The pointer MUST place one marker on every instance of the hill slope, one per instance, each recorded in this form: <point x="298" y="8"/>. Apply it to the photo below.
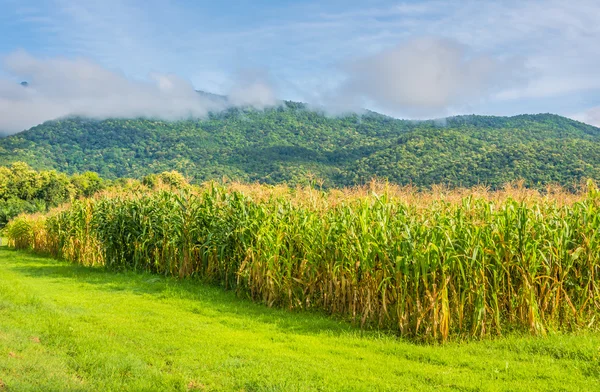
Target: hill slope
<point x="289" y="142"/>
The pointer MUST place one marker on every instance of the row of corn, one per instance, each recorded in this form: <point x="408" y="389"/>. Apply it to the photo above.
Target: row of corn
<point x="428" y="268"/>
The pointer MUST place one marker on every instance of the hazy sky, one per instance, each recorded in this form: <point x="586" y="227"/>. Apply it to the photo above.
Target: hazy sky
<point x="410" y="59"/>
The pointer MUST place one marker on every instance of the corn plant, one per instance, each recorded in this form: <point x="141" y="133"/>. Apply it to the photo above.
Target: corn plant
<point x="426" y="265"/>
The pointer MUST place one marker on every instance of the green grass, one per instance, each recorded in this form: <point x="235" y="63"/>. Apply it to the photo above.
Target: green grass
<point x="67" y="327"/>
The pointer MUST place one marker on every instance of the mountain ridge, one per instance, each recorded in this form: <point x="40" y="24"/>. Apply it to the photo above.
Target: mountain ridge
<point x="292" y="143"/>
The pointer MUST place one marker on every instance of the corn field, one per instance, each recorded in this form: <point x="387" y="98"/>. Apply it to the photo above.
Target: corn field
<point x="427" y="265"/>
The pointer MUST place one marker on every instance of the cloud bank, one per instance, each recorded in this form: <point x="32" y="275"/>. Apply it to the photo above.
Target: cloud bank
<point x="591" y="116"/>
<point x="252" y="88"/>
<point x="426" y="77"/>
<point x="303" y="43"/>
<point x="60" y="87"/>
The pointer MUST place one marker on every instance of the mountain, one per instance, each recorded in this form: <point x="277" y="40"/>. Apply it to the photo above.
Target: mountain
<point x="292" y="143"/>
<point x="213" y="97"/>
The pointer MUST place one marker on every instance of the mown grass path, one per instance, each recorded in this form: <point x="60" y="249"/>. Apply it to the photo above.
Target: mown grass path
<point x="66" y="327"/>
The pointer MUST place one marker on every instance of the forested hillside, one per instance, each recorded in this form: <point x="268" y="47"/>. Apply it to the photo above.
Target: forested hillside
<point x="293" y="144"/>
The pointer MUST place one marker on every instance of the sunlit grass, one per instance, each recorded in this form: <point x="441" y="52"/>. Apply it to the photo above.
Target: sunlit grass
<point x="67" y="327"/>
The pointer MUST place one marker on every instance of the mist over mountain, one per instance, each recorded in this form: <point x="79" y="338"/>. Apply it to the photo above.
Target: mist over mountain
<point x="293" y="143"/>
<point x="62" y="87"/>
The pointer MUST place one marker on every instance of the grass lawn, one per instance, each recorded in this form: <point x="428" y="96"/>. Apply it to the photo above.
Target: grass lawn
<point x="66" y="327"/>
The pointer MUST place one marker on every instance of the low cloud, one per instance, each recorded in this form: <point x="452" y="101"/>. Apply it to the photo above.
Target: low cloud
<point x="60" y="87"/>
<point x="426" y="77"/>
<point x="252" y="88"/>
<point x="591" y="116"/>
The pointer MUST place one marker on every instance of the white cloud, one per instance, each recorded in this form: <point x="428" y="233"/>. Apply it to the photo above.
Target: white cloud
<point x="590" y="116"/>
<point x="61" y="87"/>
<point x="252" y="88"/>
<point x="305" y="42"/>
<point x="427" y="76"/>
<point x="547" y="86"/>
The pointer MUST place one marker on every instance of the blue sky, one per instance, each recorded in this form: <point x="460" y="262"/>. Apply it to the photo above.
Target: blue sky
<point x="411" y="59"/>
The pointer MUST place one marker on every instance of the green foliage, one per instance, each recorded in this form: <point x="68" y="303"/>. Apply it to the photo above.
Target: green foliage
<point x="12" y="207"/>
<point x="24" y="190"/>
<point x="293" y="144"/>
<point x="172" y="178"/>
<point x="87" y="184"/>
